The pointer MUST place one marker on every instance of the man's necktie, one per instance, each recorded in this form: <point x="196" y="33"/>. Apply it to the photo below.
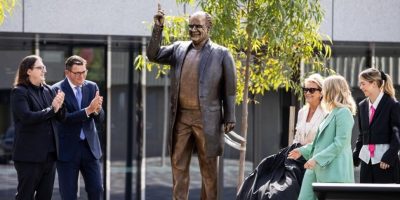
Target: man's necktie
<point x="78" y="96"/>
<point x="371" y="147"/>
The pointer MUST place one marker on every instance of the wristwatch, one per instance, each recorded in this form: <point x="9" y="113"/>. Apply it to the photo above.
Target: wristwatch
<point x="50" y="108"/>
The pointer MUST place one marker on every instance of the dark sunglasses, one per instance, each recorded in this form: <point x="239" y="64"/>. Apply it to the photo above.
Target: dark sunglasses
<point x="311" y="90"/>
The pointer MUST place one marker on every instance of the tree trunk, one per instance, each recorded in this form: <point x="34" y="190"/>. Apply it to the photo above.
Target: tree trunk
<point x="243" y="129"/>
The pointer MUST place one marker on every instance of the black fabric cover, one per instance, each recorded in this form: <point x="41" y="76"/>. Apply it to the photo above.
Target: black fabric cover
<point x="275" y="178"/>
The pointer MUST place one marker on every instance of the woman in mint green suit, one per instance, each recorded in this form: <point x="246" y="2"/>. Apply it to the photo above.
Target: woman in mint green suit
<point x="329" y="157"/>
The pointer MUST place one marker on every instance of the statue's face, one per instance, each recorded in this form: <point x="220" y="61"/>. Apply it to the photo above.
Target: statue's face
<point x="198" y="30"/>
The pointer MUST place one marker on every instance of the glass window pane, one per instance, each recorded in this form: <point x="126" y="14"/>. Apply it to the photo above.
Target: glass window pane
<point x="54" y="61"/>
<point x="96" y="65"/>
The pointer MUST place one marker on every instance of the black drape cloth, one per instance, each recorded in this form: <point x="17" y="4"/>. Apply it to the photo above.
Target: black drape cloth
<point x="275" y="178"/>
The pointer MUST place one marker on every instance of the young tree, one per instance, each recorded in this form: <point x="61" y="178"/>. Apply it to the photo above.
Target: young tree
<point x="6" y="6"/>
<point x="269" y="39"/>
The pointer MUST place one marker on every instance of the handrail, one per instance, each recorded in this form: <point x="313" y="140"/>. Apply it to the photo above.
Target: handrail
<point x="230" y="141"/>
<point x="237" y="142"/>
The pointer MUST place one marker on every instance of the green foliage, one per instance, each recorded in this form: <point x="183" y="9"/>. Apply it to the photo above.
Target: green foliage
<point x="175" y="28"/>
<point x="95" y="62"/>
<point x="279" y="34"/>
<point x="6" y="6"/>
<point x="270" y="38"/>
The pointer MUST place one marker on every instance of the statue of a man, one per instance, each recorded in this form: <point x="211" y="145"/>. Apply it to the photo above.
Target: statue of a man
<point x="203" y="90"/>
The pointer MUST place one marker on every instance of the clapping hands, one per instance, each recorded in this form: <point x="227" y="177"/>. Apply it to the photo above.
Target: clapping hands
<point x="58" y="101"/>
<point x="95" y="105"/>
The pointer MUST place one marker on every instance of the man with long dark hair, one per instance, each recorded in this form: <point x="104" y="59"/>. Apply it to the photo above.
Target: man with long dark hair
<point x="35" y="107"/>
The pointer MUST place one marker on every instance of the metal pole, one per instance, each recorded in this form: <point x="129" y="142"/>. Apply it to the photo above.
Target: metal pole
<point x="143" y="175"/>
<point x="37" y="45"/>
<point x="129" y="137"/>
<point x="165" y="125"/>
<point x="220" y="179"/>
<point x="292" y="114"/>
<point x="141" y="161"/>
<point x="373" y="58"/>
<point x="139" y="140"/>
<point x="107" y="153"/>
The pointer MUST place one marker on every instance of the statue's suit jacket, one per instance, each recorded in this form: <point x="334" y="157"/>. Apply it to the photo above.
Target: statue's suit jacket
<point x="217" y="85"/>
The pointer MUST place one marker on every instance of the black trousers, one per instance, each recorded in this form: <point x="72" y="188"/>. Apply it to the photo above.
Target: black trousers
<point x="35" y="177"/>
<point x="374" y="174"/>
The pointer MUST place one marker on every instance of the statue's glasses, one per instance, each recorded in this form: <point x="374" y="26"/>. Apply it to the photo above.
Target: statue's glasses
<point x="195" y="26"/>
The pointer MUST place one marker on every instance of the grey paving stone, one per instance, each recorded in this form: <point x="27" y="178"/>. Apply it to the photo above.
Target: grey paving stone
<point x="158" y="180"/>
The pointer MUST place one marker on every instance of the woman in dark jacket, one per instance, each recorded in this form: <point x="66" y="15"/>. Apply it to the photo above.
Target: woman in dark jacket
<point x="378" y="116"/>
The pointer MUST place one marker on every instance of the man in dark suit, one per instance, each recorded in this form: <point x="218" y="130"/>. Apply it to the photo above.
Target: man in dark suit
<point x="36" y="109"/>
<point x="79" y="141"/>
<point x="203" y="89"/>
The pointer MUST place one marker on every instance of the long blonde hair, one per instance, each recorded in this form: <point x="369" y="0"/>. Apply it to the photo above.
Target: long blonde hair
<point x="336" y="93"/>
<point x="384" y="81"/>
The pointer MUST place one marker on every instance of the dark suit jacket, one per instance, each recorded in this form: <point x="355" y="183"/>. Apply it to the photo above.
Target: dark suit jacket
<point x="217" y="85"/>
<point x="76" y="119"/>
<point x="380" y="131"/>
<point x="35" y="122"/>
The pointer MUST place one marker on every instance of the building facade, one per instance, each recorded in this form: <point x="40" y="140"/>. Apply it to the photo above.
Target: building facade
<point x="110" y="34"/>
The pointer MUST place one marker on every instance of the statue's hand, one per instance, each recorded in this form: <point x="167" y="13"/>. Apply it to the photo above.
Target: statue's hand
<point x="229" y="126"/>
<point x="159" y="17"/>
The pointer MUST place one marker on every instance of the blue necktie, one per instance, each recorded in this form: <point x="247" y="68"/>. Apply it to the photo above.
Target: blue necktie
<point x="78" y="96"/>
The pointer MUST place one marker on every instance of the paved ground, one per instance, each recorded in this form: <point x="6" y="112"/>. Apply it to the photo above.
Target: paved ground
<point x="158" y="181"/>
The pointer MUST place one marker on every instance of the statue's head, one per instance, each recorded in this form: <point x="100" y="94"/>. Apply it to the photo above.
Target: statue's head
<point x="200" y="24"/>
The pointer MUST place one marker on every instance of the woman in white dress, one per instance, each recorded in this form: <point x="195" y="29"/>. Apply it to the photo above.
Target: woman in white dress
<point x="277" y="177"/>
<point x="312" y="114"/>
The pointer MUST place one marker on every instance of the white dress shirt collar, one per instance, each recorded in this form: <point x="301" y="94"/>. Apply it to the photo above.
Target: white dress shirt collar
<point x="377" y="100"/>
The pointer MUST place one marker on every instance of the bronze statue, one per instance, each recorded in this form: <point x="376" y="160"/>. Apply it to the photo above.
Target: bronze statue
<point x="203" y="90"/>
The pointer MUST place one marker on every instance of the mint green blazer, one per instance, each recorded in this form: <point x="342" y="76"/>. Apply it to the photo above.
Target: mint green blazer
<point x="331" y="150"/>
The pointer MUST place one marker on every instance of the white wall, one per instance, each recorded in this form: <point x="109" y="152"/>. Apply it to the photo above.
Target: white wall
<point x="362" y="20"/>
<point x="100" y="17"/>
<point x="326" y="26"/>
<point x="13" y="22"/>
<point x="345" y="20"/>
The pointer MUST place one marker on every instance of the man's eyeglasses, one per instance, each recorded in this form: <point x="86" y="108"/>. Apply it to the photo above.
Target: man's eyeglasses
<point x="197" y="26"/>
<point x="42" y="68"/>
<point x="79" y="73"/>
<point x="311" y="90"/>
